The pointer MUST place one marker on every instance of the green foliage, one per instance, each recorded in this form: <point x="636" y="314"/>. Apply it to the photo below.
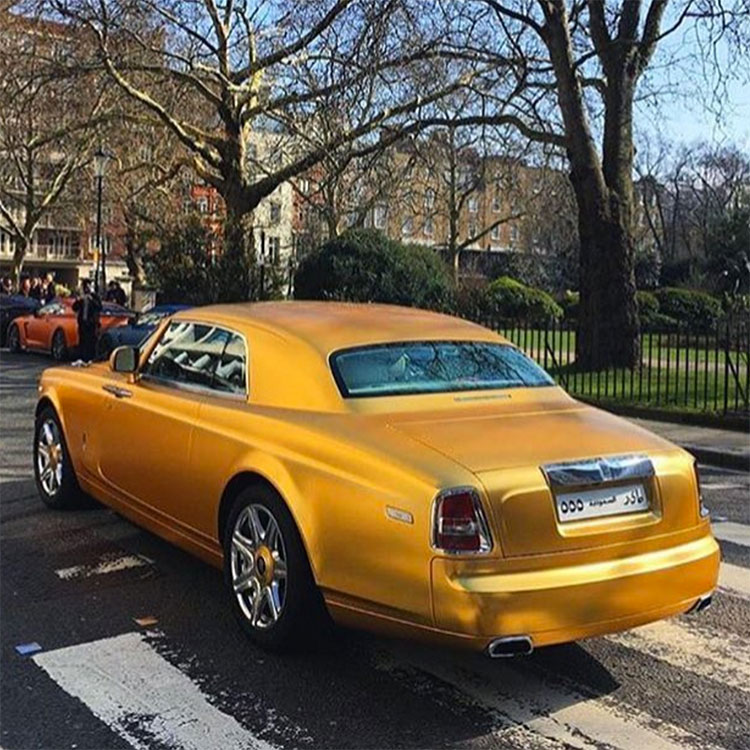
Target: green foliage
<point x="512" y="299"/>
<point x="698" y="310"/>
<point x="474" y="302"/>
<point x="647" y="267"/>
<point x="728" y="250"/>
<point x="549" y="272"/>
<point x="570" y="303"/>
<point x="181" y="269"/>
<point x="648" y="308"/>
<point x="363" y="265"/>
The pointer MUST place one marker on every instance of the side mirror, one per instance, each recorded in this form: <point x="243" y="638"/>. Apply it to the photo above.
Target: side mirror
<point x="124" y="359"/>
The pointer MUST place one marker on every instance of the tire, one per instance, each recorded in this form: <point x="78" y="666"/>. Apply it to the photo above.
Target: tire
<point x="59" y="348"/>
<point x="301" y="616"/>
<point x="13" y="339"/>
<point x="104" y="347"/>
<point x="58" y="488"/>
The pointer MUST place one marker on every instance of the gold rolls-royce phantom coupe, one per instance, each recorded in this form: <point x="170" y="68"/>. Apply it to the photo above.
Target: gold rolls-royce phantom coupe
<point x="400" y="470"/>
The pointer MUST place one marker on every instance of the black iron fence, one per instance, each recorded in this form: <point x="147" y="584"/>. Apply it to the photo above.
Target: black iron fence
<point x="679" y="368"/>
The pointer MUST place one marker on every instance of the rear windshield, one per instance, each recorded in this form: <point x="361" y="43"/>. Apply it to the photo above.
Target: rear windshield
<point x="413" y="367"/>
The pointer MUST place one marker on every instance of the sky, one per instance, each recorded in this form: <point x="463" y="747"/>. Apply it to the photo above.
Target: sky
<point x="701" y="101"/>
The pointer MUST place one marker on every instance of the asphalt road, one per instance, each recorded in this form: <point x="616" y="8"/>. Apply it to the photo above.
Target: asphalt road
<point x="76" y="582"/>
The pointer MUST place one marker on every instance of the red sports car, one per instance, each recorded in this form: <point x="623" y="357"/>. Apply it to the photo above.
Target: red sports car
<point x="54" y="327"/>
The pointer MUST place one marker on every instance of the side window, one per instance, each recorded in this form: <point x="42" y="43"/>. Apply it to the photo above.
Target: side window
<point x="187" y="353"/>
<point x="231" y="372"/>
<point x="200" y="355"/>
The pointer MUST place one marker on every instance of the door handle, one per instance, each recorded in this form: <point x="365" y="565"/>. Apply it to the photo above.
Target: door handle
<point x="117" y="391"/>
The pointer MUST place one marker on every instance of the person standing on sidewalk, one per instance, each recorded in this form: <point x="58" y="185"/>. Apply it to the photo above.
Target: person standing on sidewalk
<point x="87" y="307"/>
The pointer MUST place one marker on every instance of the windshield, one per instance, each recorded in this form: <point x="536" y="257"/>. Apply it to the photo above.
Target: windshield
<point x="413" y="367"/>
<point x="152" y="318"/>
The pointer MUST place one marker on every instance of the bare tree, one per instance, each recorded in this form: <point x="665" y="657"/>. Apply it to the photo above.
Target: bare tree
<point x="48" y="124"/>
<point x="249" y="66"/>
<point x="578" y="69"/>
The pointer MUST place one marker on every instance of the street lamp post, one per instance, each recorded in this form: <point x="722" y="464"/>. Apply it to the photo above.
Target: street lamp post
<point x="100" y="166"/>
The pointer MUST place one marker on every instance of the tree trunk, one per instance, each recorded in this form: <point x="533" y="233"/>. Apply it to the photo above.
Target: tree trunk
<point x="237" y="279"/>
<point x="607" y="332"/>
<point x="19" y="256"/>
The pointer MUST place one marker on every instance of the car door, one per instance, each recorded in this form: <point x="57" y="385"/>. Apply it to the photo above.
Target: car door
<point x="38" y="328"/>
<point x="145" y="436"/>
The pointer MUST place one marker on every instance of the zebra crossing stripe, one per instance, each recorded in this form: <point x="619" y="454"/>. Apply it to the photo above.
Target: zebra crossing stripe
<point x="530" y="711"/>
<point x="735" y="580"/>
<point x="728" y="531"/>
<point x="705" y="652"/>
<point x="143" y="698"/>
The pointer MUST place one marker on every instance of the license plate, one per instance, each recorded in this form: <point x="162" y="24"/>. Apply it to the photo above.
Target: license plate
<point x="606" y="501"/>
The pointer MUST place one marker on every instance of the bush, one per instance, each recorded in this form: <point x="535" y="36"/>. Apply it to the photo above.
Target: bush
<point x="474" y="302"/>
<point x="698" y="310"/>
<point x="363" y="265"/>
<point x="570" y="303"/>
<point x="648" y="308"/>
<point x="512" y="299"/>
<point x="181" y="269"/>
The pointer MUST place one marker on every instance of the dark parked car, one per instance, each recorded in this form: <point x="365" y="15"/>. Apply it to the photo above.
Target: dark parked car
<point x="11" y="306"/>
<point x="137" y="331"/>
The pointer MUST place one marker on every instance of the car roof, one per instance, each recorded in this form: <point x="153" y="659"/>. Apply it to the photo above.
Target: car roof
<point x="328" y="326"/>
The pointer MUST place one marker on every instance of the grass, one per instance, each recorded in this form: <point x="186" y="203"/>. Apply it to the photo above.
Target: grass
<point x="673" y="375"/>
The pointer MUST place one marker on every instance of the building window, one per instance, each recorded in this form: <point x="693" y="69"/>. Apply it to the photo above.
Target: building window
<point x="496" y="232"/>
<point x="472" y="230"/>
<point x="515" y="235"/>
<point x="275" y="212"/>
<point x="202" y="205"/>
<point x="429" y="200"/>
<point x="304" y="186"/>
<point x="473" y="204"/>
<point x="496" y="201"/>
<point x="274" y="249"/>
<point x="407" y="228"/>
<point x="379" y="216"/>
<point x="429" y="227"/>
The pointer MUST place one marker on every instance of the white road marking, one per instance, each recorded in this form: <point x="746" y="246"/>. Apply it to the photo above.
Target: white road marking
<point x="110" y="564"/>
<point x="735" y="580"/>
<point x="143" y="698"/>
<point x="720" y="656"/>
<point x="522" y="704"/>
<point x="728" y="531"/>
<point x="721" y="485"/>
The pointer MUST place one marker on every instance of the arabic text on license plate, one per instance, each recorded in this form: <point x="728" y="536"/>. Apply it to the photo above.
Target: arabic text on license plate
<point x="609" y="501"/>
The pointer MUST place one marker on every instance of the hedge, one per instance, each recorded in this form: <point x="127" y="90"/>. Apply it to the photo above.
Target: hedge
<point x="512" y="299"/>
<point x="698" y="310"/>
<point x="363" y="265"/>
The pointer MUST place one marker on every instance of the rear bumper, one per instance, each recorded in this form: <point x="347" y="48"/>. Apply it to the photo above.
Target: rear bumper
<point x="554" y="603"/>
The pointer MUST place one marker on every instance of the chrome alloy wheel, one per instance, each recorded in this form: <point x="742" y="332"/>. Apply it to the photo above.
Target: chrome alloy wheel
<point x="49" y="457"/>
<point x="258" y="566"/>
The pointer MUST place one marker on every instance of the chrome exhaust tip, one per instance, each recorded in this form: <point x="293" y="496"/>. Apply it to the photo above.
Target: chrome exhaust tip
<point x="703" y="602"/>
<point x="514" y="645"/>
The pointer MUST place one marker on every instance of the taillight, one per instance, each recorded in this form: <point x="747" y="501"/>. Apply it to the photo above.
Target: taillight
<point x="459" y="523"/>
<point x="704" y="511"/>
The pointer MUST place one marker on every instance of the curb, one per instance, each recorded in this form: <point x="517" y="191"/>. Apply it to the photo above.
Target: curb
<point x="724" y="459"/>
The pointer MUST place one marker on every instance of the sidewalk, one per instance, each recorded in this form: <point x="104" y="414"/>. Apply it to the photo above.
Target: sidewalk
<point x="727" y="448"/>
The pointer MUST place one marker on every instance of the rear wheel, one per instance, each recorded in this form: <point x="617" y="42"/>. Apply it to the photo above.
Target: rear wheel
<point x="272" y="590"/>
<point x="55" y="479"/>
<point x="59" y="347"/>
<point x="14" y="338"/>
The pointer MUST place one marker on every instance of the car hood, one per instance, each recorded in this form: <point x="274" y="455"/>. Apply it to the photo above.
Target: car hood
<point x="503" y="437"/>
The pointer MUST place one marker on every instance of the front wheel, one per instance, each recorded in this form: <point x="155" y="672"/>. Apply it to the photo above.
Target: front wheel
<point x="273" y="593"/>
<point x="59" y="347"/>
<point x="53" y="470"/>
<point x="14" y="339"/>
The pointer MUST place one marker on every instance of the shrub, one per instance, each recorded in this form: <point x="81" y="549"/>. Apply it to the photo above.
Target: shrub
<point x="648" y="308"/>
<point x="698" y="310"/>
<point x="363" y="265"/>
<point x="474" y="302"/>
<point x="181" y="269"/>
<point x="512" y="299"/>
<point x="570" y="304"/>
